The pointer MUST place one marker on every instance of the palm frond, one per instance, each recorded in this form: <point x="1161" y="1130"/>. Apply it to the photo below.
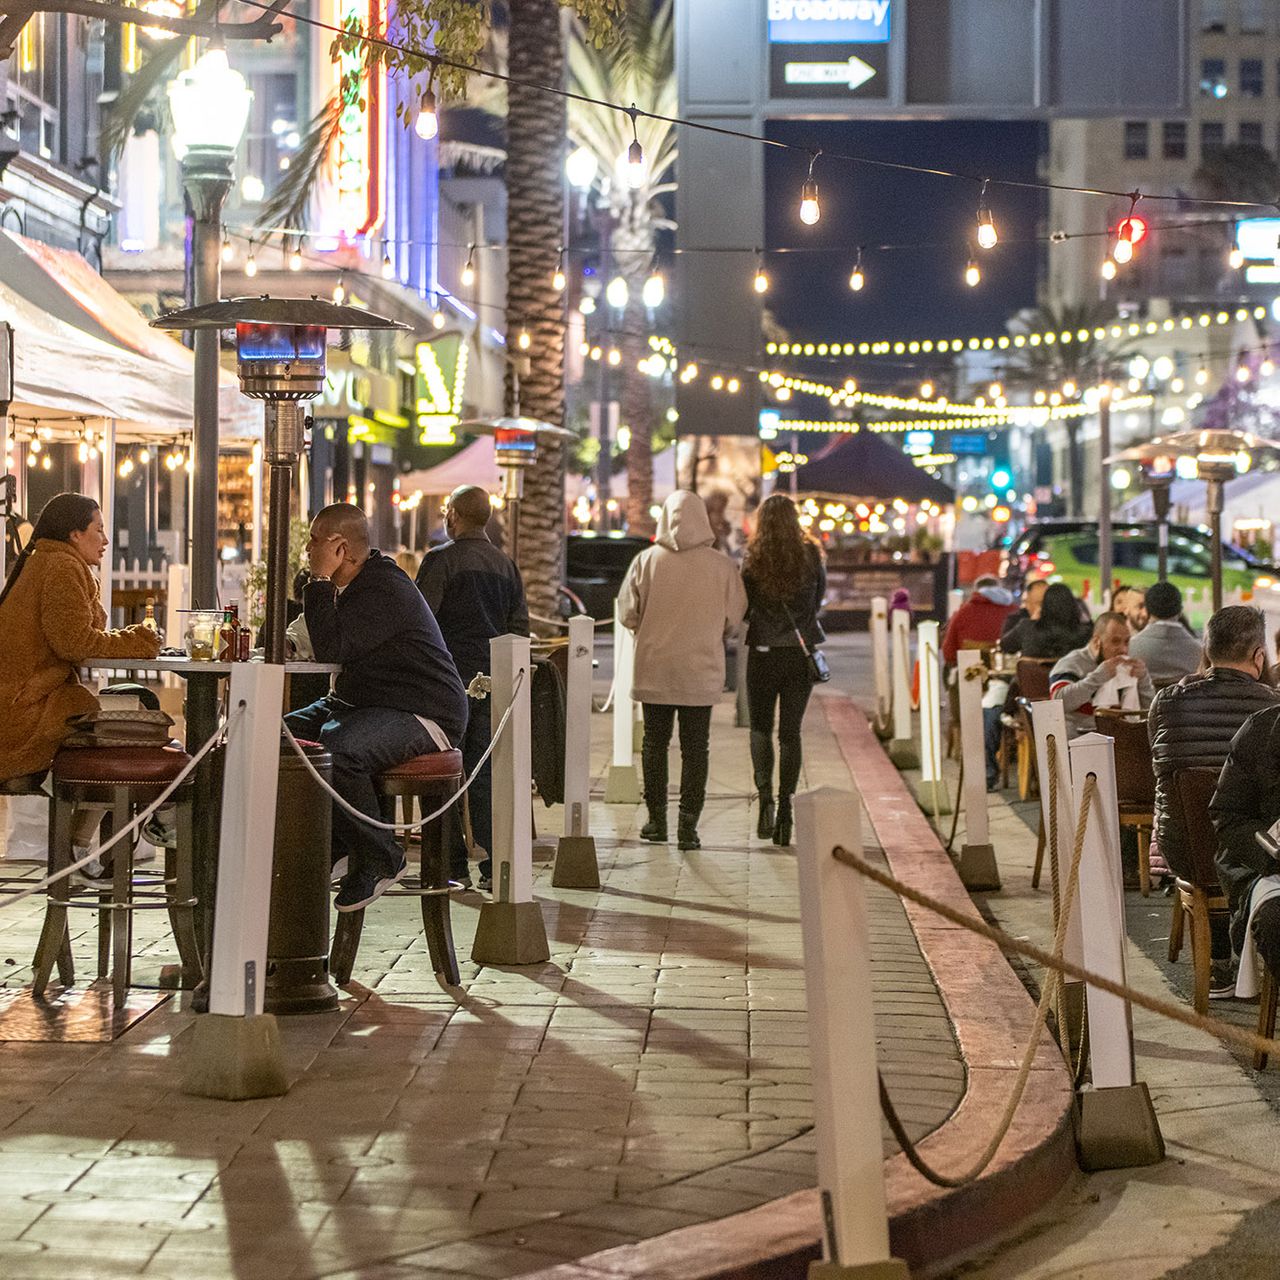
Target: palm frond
<point x="289" y="203"/>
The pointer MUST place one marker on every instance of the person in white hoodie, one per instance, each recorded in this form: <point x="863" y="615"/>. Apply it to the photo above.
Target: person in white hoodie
<point x="681" y="597"/>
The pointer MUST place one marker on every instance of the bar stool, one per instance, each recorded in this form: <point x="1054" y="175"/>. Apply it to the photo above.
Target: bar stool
<point x="430" y="780"/>
<point x="123" y="780"/>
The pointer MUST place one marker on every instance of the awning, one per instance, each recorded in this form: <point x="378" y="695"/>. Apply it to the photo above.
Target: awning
<point x="864" y="466"/>
<point x="473" y="464"/>
<point x="82" y="351"/>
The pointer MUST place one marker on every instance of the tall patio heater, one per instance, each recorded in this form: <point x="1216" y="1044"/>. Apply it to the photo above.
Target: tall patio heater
<point x="280" y="357"/>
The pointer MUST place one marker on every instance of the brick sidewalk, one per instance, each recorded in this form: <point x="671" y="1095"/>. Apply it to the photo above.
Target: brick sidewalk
<point x="651" y="1076"/>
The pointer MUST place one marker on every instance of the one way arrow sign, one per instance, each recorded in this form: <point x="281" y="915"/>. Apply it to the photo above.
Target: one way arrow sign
<point x="851" y="74"/>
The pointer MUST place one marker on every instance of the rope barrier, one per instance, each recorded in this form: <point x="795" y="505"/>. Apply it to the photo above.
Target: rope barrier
<point x="40" y="886"/>
<point x="914" y="1157"/>
<point x="597" y="623"/>
<point x="431" y="817"/>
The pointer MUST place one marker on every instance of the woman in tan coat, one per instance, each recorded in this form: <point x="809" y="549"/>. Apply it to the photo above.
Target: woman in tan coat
<point x="51" y="620"/>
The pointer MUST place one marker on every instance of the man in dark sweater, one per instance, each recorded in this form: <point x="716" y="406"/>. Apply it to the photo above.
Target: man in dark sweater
<point x="1192" y="724"/>
<point x="398" y="694"/>
<point x="476" y="593"/>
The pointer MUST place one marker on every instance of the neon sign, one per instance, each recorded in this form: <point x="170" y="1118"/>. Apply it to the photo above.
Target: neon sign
<point x="438" y="405"/>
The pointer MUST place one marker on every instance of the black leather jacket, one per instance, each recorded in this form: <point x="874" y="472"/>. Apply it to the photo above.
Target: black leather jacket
<point x="1247" y="801"/>
<point x="768" y="624"/>
<point x="1191" y="725"/>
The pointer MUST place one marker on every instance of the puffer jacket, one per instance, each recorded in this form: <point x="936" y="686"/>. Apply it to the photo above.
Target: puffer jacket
<point x="1247" y="801"/>
<point x="1191" y="725"/>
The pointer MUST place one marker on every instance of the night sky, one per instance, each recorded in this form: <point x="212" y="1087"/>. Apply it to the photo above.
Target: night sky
<point x="908" y="293"/>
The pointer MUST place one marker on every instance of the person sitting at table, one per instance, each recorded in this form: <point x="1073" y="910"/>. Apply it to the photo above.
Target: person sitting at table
<point x="1032" y="599"/>
<point x="397" y="696"/>
<point x="1099" y="674"/>
<point x="1165" y="644"/>
<point x="1052" y="632"/>
<point x="476" y="593"/>
<point x="1132" y="603"/>
<point x="51" y="620"/>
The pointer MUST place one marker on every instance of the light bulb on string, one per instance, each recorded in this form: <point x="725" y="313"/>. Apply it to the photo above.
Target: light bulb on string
<point x="636" y="167"/>
<point x="1235" y="259"/>
<point x="1128" y="233"/>
<point x="339" y="292"/>
<point x="1202" y="376"/>
<point x="810" y="210"/>
<point x="857" y="277"/>
<point x="144" y="456"/>
<point x="46" y="463"/>
<point x="987" y="236"/>
<point x="617" y="294"/>
<point x="35" y="446"/>
<point x="926" y="390"/>
<point x="972" y="276"/>
<point x="388" y="267"/>
<point x="558" y="280"/>
<point x="469" y="271"/>
<point x="654" y="292"/>
<point x="227" y="251"/>
<point x="427" y="123"/>
<point x="437" y="319"/>
<point x="1267" y="367"/>
<point x="615" y="357"/>
<point x="761" y="281"/>
<point x="295" y="258"/>
<point x="523" y="340"/>
<point x="1108" y="269"/>
<point x="251" y="263"/>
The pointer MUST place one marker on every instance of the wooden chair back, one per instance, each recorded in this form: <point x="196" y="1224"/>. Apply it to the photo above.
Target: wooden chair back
<point x="1192" y="790"/>
<point x="1033" y="679"/>
<point x="1135" y="776"/>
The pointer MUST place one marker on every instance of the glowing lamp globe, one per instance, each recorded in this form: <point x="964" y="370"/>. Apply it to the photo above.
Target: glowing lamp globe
<point x="209" y="104"/>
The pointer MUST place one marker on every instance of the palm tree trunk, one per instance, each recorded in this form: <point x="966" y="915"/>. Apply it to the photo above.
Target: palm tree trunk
<point x="535" y="216"/>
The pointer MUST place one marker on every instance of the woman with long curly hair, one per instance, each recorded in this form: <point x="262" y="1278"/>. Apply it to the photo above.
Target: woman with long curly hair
<point x="785" y="580"/>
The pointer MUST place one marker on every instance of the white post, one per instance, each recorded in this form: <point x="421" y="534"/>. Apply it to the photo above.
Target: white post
<point x="902" y="749"/>
<point x="177" y="590"/>
<point x="108" y="504"/>
<point x="236" y="1051"/>
<point x="576" y="866"/>
<point x="879" y="626"/>
<point x="1049" y="720"/>
<point x="510" y="929"/>
<point x="978" y="869"/>
<point x="933" y="787"/>
<point x="1118" y="1125"/>
<point x="842" y="1034"/>
<point x="256" y="533"/>
<point x="622" y="786"/>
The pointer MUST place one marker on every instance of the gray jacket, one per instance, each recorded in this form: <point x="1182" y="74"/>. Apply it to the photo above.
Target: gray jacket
<point x="1168" y="648"/>
<point x="1076" y="679"/>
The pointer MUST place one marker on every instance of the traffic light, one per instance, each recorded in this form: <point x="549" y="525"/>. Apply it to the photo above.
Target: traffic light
<point x="1001" y="478"/>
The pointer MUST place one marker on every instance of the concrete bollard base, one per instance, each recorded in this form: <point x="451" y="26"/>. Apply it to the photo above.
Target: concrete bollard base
<point x="235" y="1058"/>
<point x="1118" y="1128"/>
<point x="932" y="797"/>
<point x="576" y="866"/>
<point x="622" y="786"/>
<point x="977" y="868"/>
<point x="510" y="933"/>
<point x="904" y="753"/>
<point x="889" y="1269"/>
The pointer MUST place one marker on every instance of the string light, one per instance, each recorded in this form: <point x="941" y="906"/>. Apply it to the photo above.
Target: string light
<point x="810" y="211"/>
<point x="987" y="236"/>
<point x="388" y="267"/>
<point x="1267" y="367"/>
<point x="761" y="282"/>
<point x="635" y="155"/>
<point x="972" y="276"/>
<point x="1202" y="376"/>
<point x="654" y="292"/>
<point x="469" y="271"/>
<point x="558" y="281"/>
<point x="251" y="263"/>
<point x="227" y="251"/>
<point x="437" y="319"/>
<point x="339" y="292"/>
<point x="615" y="357"/>
<point x="144" y="456"/>
<point x="1128" y="233"/>
<point x="295" y="258"/>
<point x="857" y="278"/>
<point x="1235" y="259"/>
<point x="427" y="124"/>
<point x="1108" y="268"/>
<point x="926" y="390"/>
<point x="616" y="293"/>
<point x="523" y="340"/>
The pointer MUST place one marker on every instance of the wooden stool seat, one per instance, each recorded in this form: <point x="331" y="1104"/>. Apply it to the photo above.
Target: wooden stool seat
<point x="429" y="780"/>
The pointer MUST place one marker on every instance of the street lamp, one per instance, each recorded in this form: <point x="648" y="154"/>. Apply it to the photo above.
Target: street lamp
<point x="210" y="108"/>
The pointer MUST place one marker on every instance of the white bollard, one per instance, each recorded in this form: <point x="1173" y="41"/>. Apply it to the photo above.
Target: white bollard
<point x="1118" y="1126"/>
<point x="510" y="929"/>
<point x="879" y="627"/>
<point x="1049" y="720"/>
<point x="977" y="866"/>
<point x="842" y="1040"/>
<point x="932" y="793"/>
<point x="622" y="786"/>
<point x="235" y="1050"/>
<point x="576" y="866"/>
<point x="902" y="747"/>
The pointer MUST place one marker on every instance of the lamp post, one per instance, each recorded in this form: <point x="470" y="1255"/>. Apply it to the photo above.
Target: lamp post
<point x="210" y="109"/>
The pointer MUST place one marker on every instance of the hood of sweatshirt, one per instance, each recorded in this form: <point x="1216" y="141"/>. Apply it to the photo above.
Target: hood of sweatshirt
<point x="683" y="523"/>
<point x="995" y="595"/>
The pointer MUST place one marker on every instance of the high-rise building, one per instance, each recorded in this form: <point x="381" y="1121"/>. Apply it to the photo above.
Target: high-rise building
<point x="1233" y="97"/>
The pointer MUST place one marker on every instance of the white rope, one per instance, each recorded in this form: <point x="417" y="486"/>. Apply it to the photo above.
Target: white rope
<point x="608" y="702"/>
<point x="431" y="817"/>
<point x="597" y="623"/>
<point x="41" y="885"/>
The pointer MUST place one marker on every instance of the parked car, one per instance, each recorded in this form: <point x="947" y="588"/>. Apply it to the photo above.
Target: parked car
<point x="1067" y="551"/>
<point x="595" y="565"/>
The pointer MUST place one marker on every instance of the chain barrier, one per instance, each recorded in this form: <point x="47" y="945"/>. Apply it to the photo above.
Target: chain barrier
<point x="401" y="827"/>
<point x="40" y="886"/>
<point x="916" y="1160"/>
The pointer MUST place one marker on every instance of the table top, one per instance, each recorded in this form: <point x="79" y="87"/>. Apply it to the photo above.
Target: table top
<point x="188" y="667"/>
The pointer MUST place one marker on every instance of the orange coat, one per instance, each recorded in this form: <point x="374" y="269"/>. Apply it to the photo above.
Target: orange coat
<point x="51" y="622"/>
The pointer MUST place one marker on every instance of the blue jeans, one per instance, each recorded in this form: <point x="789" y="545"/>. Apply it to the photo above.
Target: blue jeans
<point x="363" y="741"/>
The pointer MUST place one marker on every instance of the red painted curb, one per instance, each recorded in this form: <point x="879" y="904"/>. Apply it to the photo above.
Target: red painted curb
<point x="991" y="1014"/>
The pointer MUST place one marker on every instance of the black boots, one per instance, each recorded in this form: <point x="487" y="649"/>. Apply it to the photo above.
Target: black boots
<point x="782" y="822"/>
<point x="655" y="830"/>
<point x="687" y="831"/>
<point x="764" y="823"/>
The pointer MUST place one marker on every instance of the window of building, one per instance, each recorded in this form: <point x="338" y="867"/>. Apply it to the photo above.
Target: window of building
<point x="1213" y="78"/>
<point x="1251" y="133"/>
<point x="1213" y="15"/>
<point x="1251" y="77"/>
<point x="1212" y="136"/>
<point x="1174" y="139"/>
<point x="1136" y="146"/>
<point x="1253" y="17"/>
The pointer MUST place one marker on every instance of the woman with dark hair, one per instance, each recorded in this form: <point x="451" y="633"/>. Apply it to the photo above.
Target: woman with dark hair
<point x="785" y="581"/>
<point x="1055" y="632"/>
<point x="51" y="620"/>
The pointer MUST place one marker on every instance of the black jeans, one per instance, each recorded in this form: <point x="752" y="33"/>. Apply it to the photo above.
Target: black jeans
<point x="777" y="677"/>
<point x="1265" y="927"/>
<point x="479" y="795"/>
<point x="695" y="745"/>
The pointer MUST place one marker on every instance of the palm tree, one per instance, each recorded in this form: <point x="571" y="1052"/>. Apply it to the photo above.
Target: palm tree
<point x="639" y="68"/>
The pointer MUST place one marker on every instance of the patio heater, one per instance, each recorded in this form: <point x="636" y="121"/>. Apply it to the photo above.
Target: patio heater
<point x="280" y="358"/>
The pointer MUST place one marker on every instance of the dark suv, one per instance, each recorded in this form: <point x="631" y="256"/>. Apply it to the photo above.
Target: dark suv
<point x="595" y="565"/>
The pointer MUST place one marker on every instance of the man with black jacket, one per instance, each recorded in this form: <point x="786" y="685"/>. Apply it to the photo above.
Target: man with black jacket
<point x="1192" y="724"/>
<point x="398" y="694"/>
<point x="476" y="593"/>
